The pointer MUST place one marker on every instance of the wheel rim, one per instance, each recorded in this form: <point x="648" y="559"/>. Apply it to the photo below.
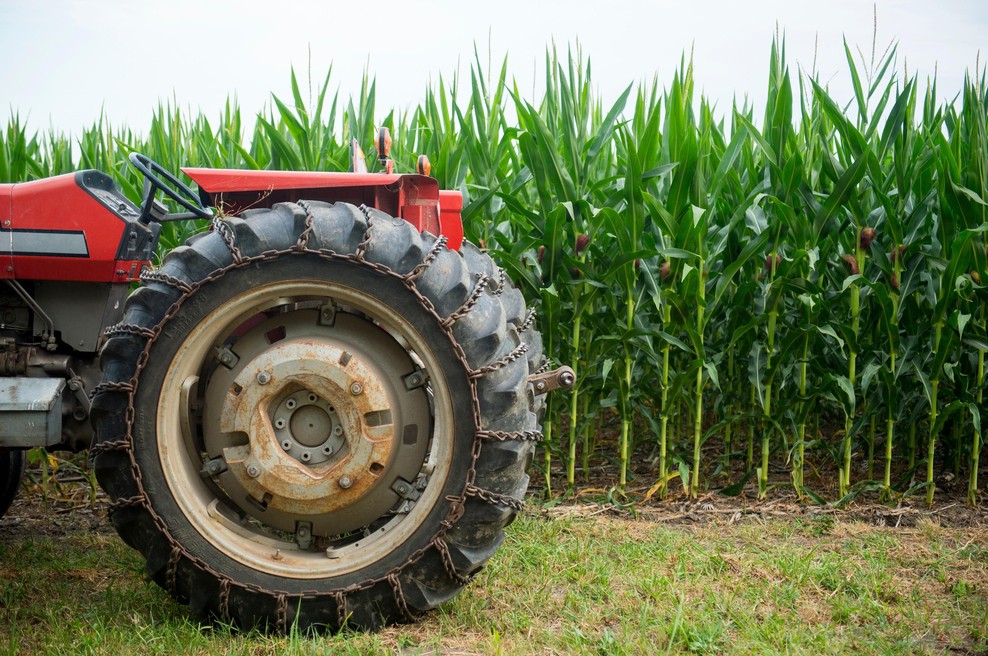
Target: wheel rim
<point x="326" y="435"/>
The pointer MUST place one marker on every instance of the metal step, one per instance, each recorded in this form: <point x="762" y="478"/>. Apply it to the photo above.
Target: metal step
<point x="30" y="411"/>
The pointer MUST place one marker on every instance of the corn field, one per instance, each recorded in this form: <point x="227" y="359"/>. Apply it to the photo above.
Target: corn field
<point x="793" y="299"/>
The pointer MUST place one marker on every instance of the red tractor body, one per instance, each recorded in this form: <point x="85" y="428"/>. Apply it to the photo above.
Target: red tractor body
<point x="76" y="227"/>
<point x="415" y="198"/>
<point x="79" y="227"/>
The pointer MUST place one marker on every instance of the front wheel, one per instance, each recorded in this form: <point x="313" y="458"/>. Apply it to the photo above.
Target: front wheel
<point x="316" y="416"/>
<point x="11" y="471"/>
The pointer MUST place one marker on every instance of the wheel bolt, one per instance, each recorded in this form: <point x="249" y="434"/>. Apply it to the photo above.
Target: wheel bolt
<point x="263" y="378"/>
<point x="356" y="389"/>
<point x="345" y="482"/>
<point x="253" y="471"/>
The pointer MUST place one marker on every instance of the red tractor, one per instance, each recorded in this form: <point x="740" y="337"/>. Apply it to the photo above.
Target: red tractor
<point x="320" y="412"/>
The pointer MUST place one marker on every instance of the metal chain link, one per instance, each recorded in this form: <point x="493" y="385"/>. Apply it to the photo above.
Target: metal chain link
<point x="128" y="502"/>
<point x="303" y="239"/>
<point x="172" y="570"/>
<point x="507" y="436"/>
<point x="501" y="281"/>
<point x="341" y="615"/>
<point x="462" y="311"/>
<point x="111" y="386"/>
<point x="399" y="597"/>
<point x="365" y="242"/>
<point x="519" y="351"/>
<point x="128" y="329"/>
<point x="156" y="275"/>
<point x="106" y="447"/>
<point x="448" y="564"/>
<point x="282" y="613"/>
<point x="529" y="320"/>
<point x="429" y="258"/>
<point x="495" y="498"/>
<point x="456" y="502"/>
<point x="223" y="229"/>
<point x="225" y="599"/>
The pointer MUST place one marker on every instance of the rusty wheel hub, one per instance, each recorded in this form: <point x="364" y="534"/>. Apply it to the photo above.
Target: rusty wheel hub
<point x="308" y="415"/>
<point x="314" y="445"/>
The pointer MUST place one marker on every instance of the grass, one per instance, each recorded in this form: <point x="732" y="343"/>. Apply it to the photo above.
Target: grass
<point x="569" y="583"/>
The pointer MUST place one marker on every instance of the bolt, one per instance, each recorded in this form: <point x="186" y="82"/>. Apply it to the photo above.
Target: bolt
<point x="401" y="488"/>
<point x="566" y="379"/>
<point x="338" y="430"/>
<point x="540" y="386"/>
<point x="7" y="222"/>
<point x="356" y="389"/>
<point x="345" y="482"/>
<point x="263" y="378"/>
<point x="253" y="471"/>
<point x="414" y="379"/>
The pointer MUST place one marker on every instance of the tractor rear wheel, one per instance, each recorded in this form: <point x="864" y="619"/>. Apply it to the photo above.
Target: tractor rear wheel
<point x="11" y="470"/>
<point x="314" y="416"/>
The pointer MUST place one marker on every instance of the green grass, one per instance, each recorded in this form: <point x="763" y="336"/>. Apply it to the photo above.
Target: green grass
<point x="604" y="585"/>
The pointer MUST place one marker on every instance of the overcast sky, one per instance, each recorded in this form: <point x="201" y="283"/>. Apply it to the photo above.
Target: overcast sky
<point x="65" y="60"/>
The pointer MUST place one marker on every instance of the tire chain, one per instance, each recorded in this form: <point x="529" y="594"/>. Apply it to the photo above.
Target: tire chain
<point x="457" y="502"/>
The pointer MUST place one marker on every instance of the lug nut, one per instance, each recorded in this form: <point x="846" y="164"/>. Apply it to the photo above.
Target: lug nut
<point x="263" y="377"/>
<point x="345" y="482"/>
<point x="356" y="389"/>
<point x="253" y="471"/>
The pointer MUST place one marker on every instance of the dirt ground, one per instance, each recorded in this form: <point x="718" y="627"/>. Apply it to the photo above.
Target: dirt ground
<point x="75" y="508"/>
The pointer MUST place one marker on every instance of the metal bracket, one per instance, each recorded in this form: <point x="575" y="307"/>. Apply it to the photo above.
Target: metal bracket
<point x="78" y="388"/>
<point x="561" y="378"/>
<point x="327" y="314"/>
<point x="213" y="467"/>
<point x="227" y="357"/>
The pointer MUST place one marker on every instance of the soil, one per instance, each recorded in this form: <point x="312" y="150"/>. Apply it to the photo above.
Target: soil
<point x="74" y="506"/>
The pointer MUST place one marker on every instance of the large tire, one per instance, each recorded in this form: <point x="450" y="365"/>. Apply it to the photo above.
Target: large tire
<point x="11" y="470"/>
<point x="286" y="326"/>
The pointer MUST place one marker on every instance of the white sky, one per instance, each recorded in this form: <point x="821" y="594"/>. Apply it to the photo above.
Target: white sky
<point x="65" y="60"/>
